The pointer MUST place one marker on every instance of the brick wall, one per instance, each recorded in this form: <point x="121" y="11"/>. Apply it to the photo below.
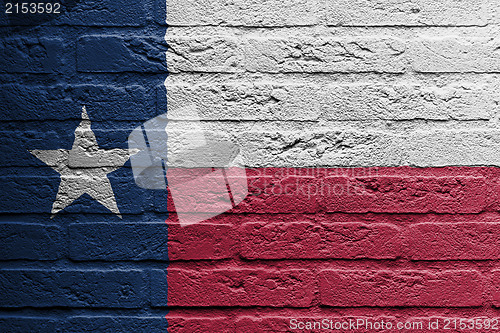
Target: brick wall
<point x="85" y="269"/>
<point x="403" y="91"/>
<point x="381" y="86"/>
<point x="412" y="246"/>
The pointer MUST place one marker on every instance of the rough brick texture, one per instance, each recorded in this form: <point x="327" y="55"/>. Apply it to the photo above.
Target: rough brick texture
<point x="406" y="288"/>
<point x="204" y="241"/>
<point x="84" y="288"/>
<point x="240" y="287"/>
<point x="31" y="241"/>
<point x="319" y="241"/>
<point x="285" y="102"/>
<point x="105" y="241"/>
<point x="30" y="55"/>
<point x="370" y="133"/>
<point x="83" y="269"/>
<point x="251" y="13"/>
<point x="466" y="241"/>
<point x="452" y="55"/>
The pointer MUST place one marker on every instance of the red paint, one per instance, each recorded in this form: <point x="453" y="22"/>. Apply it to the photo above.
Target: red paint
<point x="453" y="241"/>
<point x="240" y="287"/>
<point x="409" y="238"/>
<point x="309" y="240"/>
<point x="454" y="288"/>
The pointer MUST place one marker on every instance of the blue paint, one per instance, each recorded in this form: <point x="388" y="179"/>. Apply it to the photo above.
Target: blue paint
<point x="84" y="270"/>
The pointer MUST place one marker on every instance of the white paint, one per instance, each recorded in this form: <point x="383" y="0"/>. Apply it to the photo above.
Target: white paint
<point x="356" y="83"/>
<point x="84" y="169"/>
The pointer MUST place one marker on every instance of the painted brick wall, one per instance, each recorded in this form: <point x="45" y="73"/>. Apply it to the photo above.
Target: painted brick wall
<point x="384" y="82"/>
<point x="406" y="92"/>
<point x="390" y="80"/>
<point x="407" y="250"/>
<point x="85" y="269"/>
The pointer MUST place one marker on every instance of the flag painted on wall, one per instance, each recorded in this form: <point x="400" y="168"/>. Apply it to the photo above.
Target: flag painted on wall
<point x="319" y="166"/>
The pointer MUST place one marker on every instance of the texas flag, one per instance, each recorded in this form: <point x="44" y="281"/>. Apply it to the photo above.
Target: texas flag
<point x="248" y="166"/>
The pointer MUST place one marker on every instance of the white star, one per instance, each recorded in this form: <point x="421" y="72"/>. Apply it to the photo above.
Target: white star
<point x="84" y="168"/>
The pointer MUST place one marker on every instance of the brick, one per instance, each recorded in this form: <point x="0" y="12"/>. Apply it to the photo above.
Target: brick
<point x="276" y="55"/>
<point x="304" y="240"/>
<point x="401" y="288"/>
<point x="37" y="194"/>
<point x="454" y="241"/>
<point x="113" y="54"/>
<point x="15" y="145"/>
<point x="27" y="195"/>
<point x="73" y="288"/>
<point x="159" y="287"/>
<point x="160" y="12"/>
<point x="235" y="287"/>
<point x="201" y="324"/>
<point x="252" y="13"/>
<point x="287" y="195"/>
<point x="495" y="283"/>
<point x="33" y="55"/>
<point x="123" y="241"/>
<point x="204" y="54"/>
<point x="325" y="55"/>
<point x="354" y="102"/>
<point x="61" y="102"/>
<point x="408" y="13"/>
<point x="284" y="147"/>
<point x="31" y="241"/>
<point x="349" y="148"/>
<point x="19" y="324"/>
<point x="201" y="241"/>
<point x="106" y="13"/>
<point x="310" y="148"/>
<point x="112" y="324"/>
<point x="399" y="194"/>
<point x="256" y="102"/>
<point x="455" y="55"/>
<point x="439" y="148"/>
<point x="198" y="194"/>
